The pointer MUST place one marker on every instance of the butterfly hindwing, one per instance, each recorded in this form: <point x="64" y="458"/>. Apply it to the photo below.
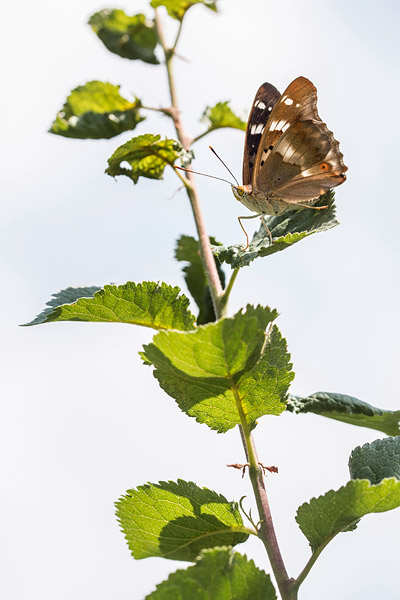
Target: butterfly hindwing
<point x="305" y="163"/>
<point x="264" y="102"/>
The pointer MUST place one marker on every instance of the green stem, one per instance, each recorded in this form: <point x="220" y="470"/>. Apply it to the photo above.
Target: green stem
<point x="228" y="289"/>
<point x="313" y="558"/>
<point x="178" y="35"/>
<point x="201" y="135"/>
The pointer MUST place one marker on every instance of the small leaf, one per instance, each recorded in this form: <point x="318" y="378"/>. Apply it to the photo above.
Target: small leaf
<point x="178" y="520"/>
<point x="221" y="115"/>
<point x="219" y="574"/>
<point x="187" y="250"/>
<point x="130" y="37"/>
<point x="147" y="156"/>
<point x="148" y="304"/>
<point x="96" y="110"/>
<point x="177" y="8"/>
<point x="286" y="230"/>
<point x="348" y="410"/>
<point x="323" y="518"/>
<point x="376" y="461"/>
<point x="225" y="367"/>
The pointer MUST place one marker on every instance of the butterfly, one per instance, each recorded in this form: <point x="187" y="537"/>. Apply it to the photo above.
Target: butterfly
<point x="290" y="156"/>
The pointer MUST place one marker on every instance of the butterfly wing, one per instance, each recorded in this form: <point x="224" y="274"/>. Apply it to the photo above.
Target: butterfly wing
<point x="305" y="163"/>
<point x="265" y="100"/>
<point x="298" y="158"/>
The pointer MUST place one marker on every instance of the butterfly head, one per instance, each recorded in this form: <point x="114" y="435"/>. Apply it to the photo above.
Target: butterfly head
<point x="241" y="191"/>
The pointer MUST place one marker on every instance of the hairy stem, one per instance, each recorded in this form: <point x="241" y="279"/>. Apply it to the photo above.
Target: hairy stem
<point x="266" y="532"/>
<point x="210" y="268"/>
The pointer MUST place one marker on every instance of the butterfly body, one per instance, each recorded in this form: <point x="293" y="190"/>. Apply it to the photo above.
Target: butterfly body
<point x="290" y="156"/>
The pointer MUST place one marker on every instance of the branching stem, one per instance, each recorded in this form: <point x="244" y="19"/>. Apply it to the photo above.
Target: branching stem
<point x="210" y="268"/>
<point x="266" y="531"/>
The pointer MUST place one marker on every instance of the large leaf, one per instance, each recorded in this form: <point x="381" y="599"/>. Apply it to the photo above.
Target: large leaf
<point x="348" y="410"/>
<point x="177" y="8"/>
<point x="146" y="156"/>
<point x="219" y="574"/>
<point x="130" y="37"/>
<point x="376" y="461"/>
<point x="148" y="304"/>
<point x="286" y="230"/>
<point x="187" y="249"/>
<point x="221" y="115"/>
<point x="225" y="369"/>
<point x="178" y="520"/>
<point x="378" y="464"/>
<point x="96" y="110"/>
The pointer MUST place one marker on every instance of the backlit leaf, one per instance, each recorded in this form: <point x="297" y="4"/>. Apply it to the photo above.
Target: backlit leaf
<point x="144" y="156"/>
<point x="221" y="115"/>
<point x="177" y="8"/>
<point x="219" y="574"/>
<point x="96" y="110"/>
<point x="148" y="304"/>
<point x="323" y="518"/>
<point x="226" y="368"/>
<point x="130" y="37"/>
<point x="178" y="520"/>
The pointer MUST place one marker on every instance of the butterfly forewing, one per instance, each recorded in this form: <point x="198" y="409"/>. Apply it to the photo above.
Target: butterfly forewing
<point x="264" y="102"/>
<point x="298" y="102"/>
<point x="298" y="158"/>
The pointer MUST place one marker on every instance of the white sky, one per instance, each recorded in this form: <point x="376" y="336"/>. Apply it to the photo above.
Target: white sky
<point x="82" y="420"/>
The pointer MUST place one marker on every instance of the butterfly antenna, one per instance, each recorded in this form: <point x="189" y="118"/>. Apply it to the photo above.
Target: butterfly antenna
<point x="204" y="174"/>
<point x="226" y="167"/>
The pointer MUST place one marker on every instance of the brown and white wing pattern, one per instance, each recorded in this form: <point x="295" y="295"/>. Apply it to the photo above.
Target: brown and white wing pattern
<point x="298" y="158"/>
<point x="264" y="102"/>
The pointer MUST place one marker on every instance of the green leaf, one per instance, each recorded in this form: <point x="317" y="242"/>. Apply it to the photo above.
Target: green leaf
<point x="177" y="8"/>
<point x="221" y="115"/>
<point x="187" y="249"/>
<point x="286" y="230"/>
<point x="348" y="410"/>
<point x="376" y="461"/>
<point x="130" y="37"/>
<point x="225" y="367"/>
<point x="149" y="304"/>
<point x="219" y="574"/>
<point x="323" y="518"/>
<point x="147" y="156"/>
<point x="178" y="520"/>
<point x="96" y="110"/>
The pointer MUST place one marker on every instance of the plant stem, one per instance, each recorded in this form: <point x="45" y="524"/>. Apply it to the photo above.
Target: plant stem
<point x="201" y="135"/>
<point x="210" y="268"/>
<point x="228" y="289"/>
<point x="266" y="532"/>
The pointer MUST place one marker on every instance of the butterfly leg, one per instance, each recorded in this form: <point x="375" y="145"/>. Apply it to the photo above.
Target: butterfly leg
<point x="244" y="231"/>
<point x="268" y="231"/>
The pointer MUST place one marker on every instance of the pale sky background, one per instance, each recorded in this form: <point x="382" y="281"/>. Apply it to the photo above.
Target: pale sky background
<point x="82" y="419"/>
